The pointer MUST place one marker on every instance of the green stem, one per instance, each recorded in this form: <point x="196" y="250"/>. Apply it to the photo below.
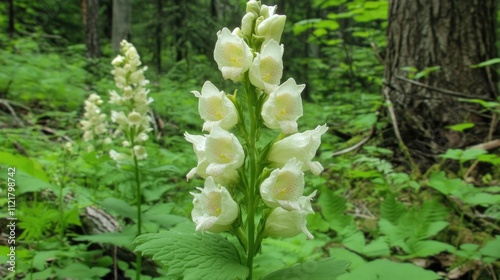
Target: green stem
<point x="251" y="190"/>
<point x="139" y="215"/>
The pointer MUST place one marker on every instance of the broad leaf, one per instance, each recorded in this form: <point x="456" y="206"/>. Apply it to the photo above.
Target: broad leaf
<point x="193" y="255"/>
<point x="387" y="270"/>
<point x="327" y="269"/>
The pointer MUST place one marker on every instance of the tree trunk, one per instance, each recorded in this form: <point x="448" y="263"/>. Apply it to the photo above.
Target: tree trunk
<point x="91" y="20"/>
<point x="11" y="29"/>
<point x="452" y="35"/>
<point x="158" y="35"/>
<point x="122" y="21"/>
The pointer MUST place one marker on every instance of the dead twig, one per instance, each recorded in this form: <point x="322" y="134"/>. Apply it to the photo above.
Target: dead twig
<point x="12" y="111"/>
<point x="441" y="90"/>
<point x="401" y="143"/>
<point x="356" y="146"/>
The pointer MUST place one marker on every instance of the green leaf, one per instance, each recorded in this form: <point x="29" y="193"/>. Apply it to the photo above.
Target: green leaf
<point x="453" y="154"/>
<point x="193" y="255"/>
<point x="119" y="207"/>
<point x="471" y="154"/>
<point x="492" y="248"/>
<point x="486" y="63"/>
<point x="391" y="209"/>
<point x="377" y="248"/>
<point x="81" y="271"/>
<point x="461" y="126"/>
<point x="304" y="25"/>
<point x="344" y="254"/>
<point x="387" y="270"/>
<point x="327" y="269"/>
<point x="427" y="248"/>
<point x="116" y="238"/>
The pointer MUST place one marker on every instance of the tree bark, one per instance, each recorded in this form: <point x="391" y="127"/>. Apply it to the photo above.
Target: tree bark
<point x="122" y="21"/>
<point x="91" y="20"/>
<point x="452" y="35"/>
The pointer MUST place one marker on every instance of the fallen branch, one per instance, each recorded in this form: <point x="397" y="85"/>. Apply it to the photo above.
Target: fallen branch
<point x="440" y="90"/>
<point x="356" y="146"/>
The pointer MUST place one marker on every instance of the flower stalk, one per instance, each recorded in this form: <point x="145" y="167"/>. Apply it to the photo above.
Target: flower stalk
<point x="132" y="120"/>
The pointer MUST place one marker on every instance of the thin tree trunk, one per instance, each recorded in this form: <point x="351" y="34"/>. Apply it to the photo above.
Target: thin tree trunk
<point x="11" y="29"/>
<point x="452" y="35"/>
<point x="158" y="35"/>
<point x="92" y="28"/>
<point x="122" y="21"/>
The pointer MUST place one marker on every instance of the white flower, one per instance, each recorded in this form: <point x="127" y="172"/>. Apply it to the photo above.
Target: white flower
<point x="119" y="118"/>
<point x="134" y="118"/>
<point x="117" y="61"/>
<point x="284" y="107"/>
<point x="215" y="108"/>
<point x="224" y="152"/>
<point x="214" y="208"/>
<point x="232" y="54"/>
<point x="283" y="223"/>
<point x="140" y="152"/>
<point x="198" y="142"/>
<point x="118" y="157"/>
<point x="267" y="67"/>
<point x="284" y="188"/>
<point x="302" y="146"/>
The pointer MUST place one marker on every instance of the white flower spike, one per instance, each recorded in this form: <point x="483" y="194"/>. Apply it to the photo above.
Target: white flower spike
<point x="215" y="108"/>
<point x="232" y="54"/>
<point x="284" y="107"/>
<point x="302" y="146"/>
<point x="214" y="208"/>
<point x="267" y="67"/>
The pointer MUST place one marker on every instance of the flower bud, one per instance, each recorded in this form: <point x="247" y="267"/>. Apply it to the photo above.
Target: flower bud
<point x="271" y="28"/>
<point x="247" y="24"/>
<point x="253" y="7"/>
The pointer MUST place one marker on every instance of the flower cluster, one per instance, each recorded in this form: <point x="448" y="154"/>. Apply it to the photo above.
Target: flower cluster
<point x="94" y="124"/>
<point x="269" y="175"/>
<point x="133" y="121"/>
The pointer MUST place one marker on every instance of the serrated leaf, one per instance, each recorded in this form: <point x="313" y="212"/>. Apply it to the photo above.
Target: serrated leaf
<point x="193" y="255"/>
<point x="327" y="269"/>
<point x="427" y="248"/>
<point x="377" y="248"/>
<point x="391" y="209"/>
<point x="387" y="270"/>
<point x="344" y="254"/>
